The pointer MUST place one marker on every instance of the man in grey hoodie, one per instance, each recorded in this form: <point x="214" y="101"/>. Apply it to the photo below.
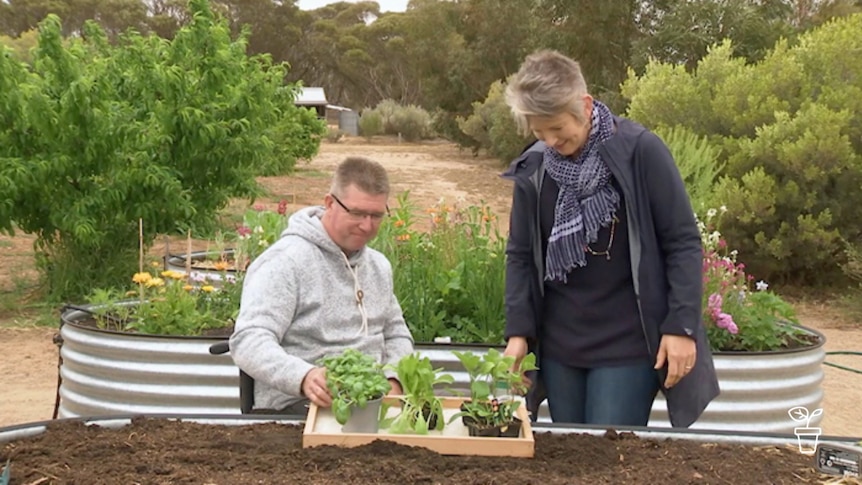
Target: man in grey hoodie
<point x="318" y="291"/>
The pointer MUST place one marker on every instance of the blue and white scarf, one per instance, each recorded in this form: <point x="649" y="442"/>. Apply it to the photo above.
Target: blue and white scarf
<point x="586" y="202"/>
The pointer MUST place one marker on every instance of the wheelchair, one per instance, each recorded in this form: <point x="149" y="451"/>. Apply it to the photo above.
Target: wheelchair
<point x="246" y="382"/>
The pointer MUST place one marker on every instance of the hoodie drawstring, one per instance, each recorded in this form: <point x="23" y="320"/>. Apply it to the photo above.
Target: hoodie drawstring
<point x="359" y="296"/>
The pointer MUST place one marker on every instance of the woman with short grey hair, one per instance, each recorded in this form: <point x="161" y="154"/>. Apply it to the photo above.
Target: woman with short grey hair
<point x="603" y="272"/>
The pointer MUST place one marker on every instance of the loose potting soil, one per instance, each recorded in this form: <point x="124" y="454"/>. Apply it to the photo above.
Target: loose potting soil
<point x="161" y="451"/>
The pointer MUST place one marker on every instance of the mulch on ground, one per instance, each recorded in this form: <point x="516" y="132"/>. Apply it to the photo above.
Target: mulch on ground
<point x="160" y="451"/>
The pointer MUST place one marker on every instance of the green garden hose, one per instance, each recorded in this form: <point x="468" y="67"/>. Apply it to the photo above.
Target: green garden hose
<point x="837" y="366"/>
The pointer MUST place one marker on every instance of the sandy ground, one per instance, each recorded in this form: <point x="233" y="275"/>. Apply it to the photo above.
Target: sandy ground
<point x="28" y="357"/>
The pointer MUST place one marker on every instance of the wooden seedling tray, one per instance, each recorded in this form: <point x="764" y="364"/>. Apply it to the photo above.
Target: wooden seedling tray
<point x="322" y="429"/>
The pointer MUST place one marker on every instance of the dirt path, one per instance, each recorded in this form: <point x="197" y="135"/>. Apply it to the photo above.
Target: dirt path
<point x="28" y="358"/>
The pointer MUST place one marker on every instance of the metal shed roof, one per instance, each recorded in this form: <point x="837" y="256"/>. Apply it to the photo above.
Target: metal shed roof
<point x="310" y="97"/>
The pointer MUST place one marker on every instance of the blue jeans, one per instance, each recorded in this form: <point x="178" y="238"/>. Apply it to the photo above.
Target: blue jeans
<point x="616" y="396"/>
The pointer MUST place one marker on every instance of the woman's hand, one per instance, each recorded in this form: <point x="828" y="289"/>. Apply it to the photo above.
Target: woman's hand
<point x="517" y="348"/>
<point x="679" y="353"/>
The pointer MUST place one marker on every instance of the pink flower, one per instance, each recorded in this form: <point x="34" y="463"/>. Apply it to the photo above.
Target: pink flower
<point x="259" y="207"/>
<point x="726" y="322"/>
<point x="282" y="207"/>
<point x="243" y="231"/>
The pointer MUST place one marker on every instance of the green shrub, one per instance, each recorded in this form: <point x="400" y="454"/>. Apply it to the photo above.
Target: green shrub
<point x="698" y="164"/>
<point x="410" y="122"/>
<point x="370" y="123"/>
<point x="794" y="191"/>
<point x="492" y="126"/>
<point x="789" y="131"/>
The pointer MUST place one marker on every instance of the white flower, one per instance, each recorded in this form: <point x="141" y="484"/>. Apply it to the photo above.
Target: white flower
<point x="258" y="230"/>
<point x="723" y="209"/>
<point x="761" y="285"/>
<point x="711" y="213"/>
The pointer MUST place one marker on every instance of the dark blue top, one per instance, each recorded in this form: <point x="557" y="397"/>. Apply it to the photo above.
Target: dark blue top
<point x="592" y="319"/>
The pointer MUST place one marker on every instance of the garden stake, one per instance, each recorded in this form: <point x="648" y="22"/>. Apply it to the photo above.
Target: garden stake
<point x="189" y="253"/>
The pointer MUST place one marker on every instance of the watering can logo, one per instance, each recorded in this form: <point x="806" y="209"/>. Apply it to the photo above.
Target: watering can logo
<point x="804" y="434"/>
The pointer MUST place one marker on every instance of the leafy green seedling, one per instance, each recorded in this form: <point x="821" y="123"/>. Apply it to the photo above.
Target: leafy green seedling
<point x="353" y="379"/>
<point x="489" y="372"/>
<point x="421" y="410"/>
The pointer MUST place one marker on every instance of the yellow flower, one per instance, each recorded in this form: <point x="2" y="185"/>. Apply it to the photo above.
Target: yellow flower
<point x="155" y="264"/>
<point x="208" y="288"/>
<point x="142" y="277"/>
<point x="221" y="265"/>
<point x="155" y="282"/>
<point x="174" y="275"/>
<point x="188" y="287"/>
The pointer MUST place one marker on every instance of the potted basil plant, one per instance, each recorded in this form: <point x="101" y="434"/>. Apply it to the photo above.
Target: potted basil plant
<point x="357" y="384"/>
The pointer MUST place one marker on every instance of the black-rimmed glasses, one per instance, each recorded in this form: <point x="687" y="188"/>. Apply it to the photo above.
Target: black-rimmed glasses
<point x="360" y="215"/>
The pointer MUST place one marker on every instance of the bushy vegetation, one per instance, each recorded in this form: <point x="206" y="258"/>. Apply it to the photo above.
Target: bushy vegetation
<point x="698" y="165"/>
<point x="492" y="127"/>
<point x="449" y="268"/>
<point x="790" y="132"/>
<point x="410" y="122"/>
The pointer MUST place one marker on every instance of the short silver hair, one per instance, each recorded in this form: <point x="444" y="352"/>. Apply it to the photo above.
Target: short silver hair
<point x="547" y="84"/>
<point x="367" y="175"/>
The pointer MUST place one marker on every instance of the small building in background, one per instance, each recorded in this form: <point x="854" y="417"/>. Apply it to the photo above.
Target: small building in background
<point x="337" y="117"/>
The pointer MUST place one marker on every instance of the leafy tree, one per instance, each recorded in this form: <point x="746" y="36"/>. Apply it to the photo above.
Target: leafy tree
<point x="681" y="31"/>
<point x="97" y="137"/>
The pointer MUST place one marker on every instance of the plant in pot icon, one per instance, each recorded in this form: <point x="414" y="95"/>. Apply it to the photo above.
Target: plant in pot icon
<point x="804" y="434"/>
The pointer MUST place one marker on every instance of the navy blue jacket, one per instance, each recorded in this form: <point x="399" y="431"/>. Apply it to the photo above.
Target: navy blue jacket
<point x="665" y="251"/>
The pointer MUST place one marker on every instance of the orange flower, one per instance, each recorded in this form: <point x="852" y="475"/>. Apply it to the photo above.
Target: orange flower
<point x="403" y="237"/>
<point x="221" y="265"/>
<point x="398" y="223"/>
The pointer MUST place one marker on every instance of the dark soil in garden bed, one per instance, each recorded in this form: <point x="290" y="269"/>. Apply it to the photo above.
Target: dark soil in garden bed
<point x="156" y="451"/>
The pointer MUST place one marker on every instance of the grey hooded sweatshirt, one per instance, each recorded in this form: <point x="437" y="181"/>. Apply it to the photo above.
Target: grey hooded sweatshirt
<point x="299" y="304"/>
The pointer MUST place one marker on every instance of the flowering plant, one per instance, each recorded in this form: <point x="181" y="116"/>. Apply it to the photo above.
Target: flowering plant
<point x="737" y="317"/>
<point x="260" y="228"/>
<point x="169" y="303"/>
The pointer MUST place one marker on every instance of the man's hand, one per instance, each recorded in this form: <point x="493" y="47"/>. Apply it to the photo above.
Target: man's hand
<point x="517" y="348"/>
<point x="314" y="387"/>
<point x="396" y="387"/>
<point x="680" y="353"/>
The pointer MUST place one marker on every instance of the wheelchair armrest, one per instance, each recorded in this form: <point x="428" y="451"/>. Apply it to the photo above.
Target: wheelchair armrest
<point x="220" y="348"/>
